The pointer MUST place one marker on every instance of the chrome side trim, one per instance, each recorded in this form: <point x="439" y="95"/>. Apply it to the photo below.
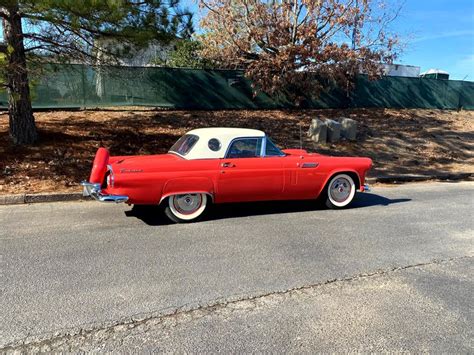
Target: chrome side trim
<point x="94" y="190"/>
<point x="309" y="165"/>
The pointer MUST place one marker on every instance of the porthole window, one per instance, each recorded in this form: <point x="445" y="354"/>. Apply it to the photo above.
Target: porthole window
<point x="214" y="144"/>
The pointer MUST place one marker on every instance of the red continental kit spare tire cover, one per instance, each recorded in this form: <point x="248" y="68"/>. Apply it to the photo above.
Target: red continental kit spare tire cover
<point x="99" y="167"/>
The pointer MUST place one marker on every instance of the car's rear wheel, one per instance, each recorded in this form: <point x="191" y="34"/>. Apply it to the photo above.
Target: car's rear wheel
<point x="186" y="207"/>
<point x="340" y="191"/>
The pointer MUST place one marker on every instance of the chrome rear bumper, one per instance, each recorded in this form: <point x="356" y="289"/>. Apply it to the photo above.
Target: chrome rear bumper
<point x="365" y="188"/>
<point x="94" y="190"/>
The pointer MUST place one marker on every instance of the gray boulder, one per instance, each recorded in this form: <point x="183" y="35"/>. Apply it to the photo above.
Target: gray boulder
<point x="334" y="131"/>
<point x="348" y="128"/>
<point x="317" y="131"/>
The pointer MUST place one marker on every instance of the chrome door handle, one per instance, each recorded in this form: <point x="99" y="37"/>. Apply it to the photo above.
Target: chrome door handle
<point x="227" y="165"/>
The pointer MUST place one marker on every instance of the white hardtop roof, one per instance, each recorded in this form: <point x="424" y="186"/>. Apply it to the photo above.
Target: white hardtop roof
<point x="220" y="132"/>
<point x="224" y="134"/>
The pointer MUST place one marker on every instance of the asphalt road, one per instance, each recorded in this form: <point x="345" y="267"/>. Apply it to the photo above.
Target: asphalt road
<point x="402" y="253"/>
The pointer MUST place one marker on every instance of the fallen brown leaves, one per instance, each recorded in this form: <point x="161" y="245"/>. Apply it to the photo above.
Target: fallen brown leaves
<point x="399" y="141"/>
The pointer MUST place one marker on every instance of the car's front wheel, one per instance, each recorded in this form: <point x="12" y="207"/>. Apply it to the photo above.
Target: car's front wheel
<point x="186" y="207"/>
<point x="340" y="191"/>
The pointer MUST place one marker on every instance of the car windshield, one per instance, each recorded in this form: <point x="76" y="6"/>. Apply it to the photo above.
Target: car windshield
<point x="184" y="145"/>
<point x="271" y="150"/>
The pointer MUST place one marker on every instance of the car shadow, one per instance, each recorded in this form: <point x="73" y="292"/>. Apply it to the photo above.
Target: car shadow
<point x="154" y="216"/>
<point x="151" y="215"/>
<point x="368" y="199"/>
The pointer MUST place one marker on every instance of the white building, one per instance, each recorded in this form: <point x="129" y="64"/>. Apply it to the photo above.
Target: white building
<point x="435" y="74"/>
<point x="410" y="71"/>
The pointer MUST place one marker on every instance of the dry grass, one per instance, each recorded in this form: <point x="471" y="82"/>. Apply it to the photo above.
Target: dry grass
<point x="399" y="141"/>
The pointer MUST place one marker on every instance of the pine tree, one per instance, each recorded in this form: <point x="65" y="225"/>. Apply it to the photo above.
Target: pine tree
<point x="66" y="29"/>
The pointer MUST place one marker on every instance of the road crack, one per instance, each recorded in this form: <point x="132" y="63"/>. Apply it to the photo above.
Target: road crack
<point x="166" y="320"/>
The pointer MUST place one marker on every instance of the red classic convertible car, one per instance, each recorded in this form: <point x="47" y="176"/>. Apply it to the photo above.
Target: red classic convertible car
<point x="222" y="165"/>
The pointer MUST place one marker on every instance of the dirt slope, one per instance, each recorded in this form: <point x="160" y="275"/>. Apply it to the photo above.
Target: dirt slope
<point x="399" y="141"/>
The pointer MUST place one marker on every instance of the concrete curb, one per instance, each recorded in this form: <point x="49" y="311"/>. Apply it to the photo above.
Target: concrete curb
<point x="37" y="198"/>
<point x="77" y="196"/>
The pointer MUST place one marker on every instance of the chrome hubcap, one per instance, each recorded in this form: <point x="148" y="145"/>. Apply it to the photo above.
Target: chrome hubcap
<point x="340" y="190"/>
<point x="187" y="204"/>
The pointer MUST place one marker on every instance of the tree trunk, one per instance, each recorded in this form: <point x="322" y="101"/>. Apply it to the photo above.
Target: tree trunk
<point x="22" y="122"/>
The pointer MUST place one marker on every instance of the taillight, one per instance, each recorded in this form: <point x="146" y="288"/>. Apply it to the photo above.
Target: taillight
<point x="109" y="180"/>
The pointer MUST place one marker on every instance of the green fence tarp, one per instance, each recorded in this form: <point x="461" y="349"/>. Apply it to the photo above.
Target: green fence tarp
<point x="400" y="92"/>
<point x="66" y="86"/>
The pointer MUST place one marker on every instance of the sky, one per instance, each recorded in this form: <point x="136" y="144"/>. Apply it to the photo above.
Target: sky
<point x="439" y="35"/>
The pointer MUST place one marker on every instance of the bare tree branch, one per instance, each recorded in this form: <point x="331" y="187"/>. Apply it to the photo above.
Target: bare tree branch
<point x="280" y="41"/>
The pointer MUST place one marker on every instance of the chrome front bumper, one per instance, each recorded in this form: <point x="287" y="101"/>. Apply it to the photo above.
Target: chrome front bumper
<point x="365" y="188"/>
<point x="94" y="190"/>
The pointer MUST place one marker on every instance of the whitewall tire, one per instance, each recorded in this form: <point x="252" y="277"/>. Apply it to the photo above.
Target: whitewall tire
<point x="340" y="191"/>
<point x="186" y="207"/>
